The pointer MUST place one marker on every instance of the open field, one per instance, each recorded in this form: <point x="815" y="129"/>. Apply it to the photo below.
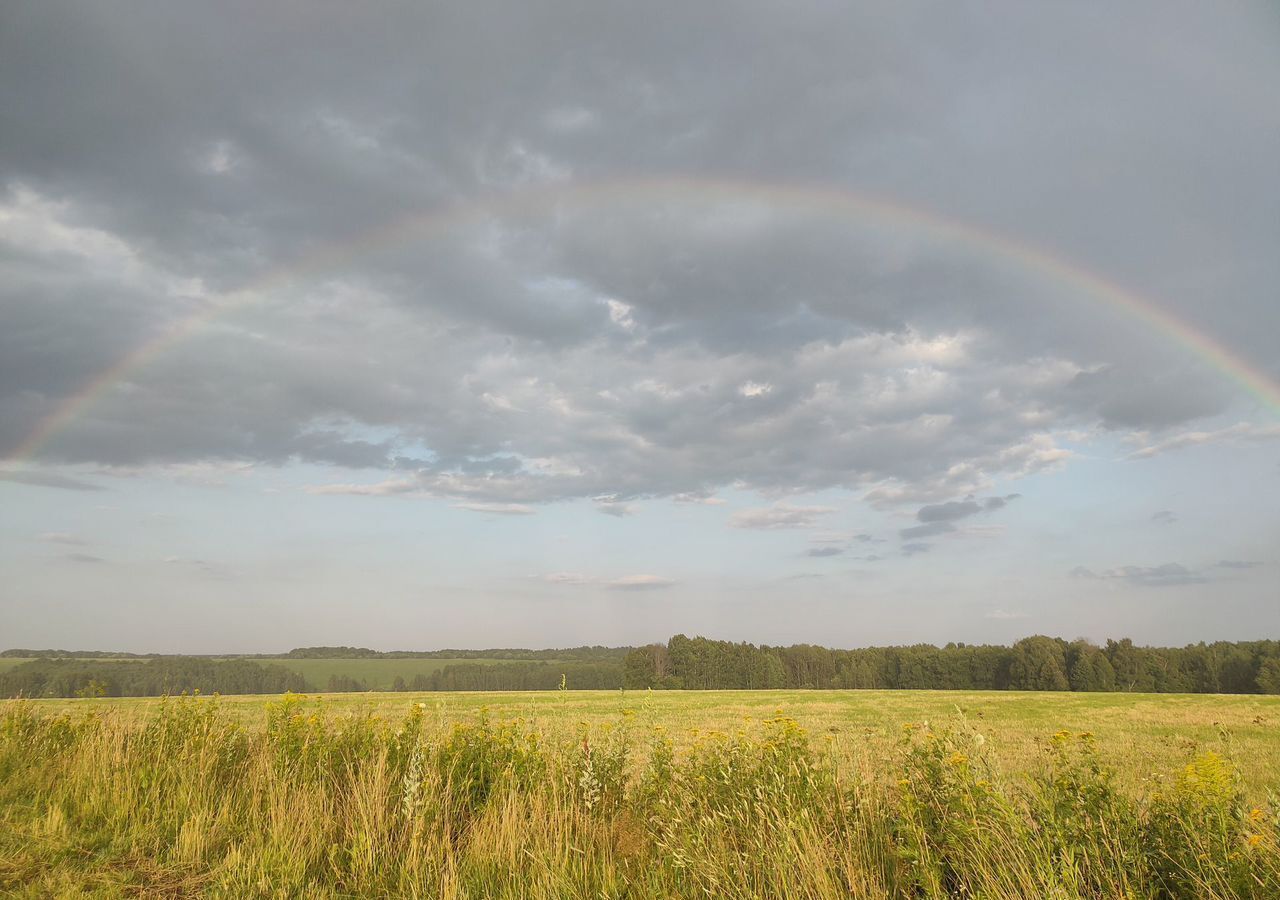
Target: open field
<point x="1138" y="734"/>
<point x="644" y="794"/>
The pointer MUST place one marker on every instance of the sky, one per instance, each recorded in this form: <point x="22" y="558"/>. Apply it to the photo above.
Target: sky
<point x="415" y="326"/>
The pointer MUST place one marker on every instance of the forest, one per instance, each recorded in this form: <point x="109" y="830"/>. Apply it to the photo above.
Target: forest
<point x="1035" y="663"/>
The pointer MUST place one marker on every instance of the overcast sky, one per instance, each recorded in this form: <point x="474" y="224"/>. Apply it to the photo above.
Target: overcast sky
<point x="541" y="324"/>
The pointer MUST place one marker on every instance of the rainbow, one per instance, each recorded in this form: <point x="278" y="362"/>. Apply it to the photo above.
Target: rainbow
<point x="816" y="198"/>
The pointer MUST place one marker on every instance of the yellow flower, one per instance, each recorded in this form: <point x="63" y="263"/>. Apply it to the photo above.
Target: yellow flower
<point x="1255" y="840"/>
<point x="1256" y="815"/>
<point x="958" y="759"/>
<point x="903" y="783"/>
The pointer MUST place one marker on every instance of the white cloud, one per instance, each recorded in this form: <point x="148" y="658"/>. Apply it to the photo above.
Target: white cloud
<point x="61" y="537"/>
<point x="386" y="488"/>
<point x="1165" y="575"/>
<point x="497" y="509"/>
<point x="780" y="516"/>
<point x="639" y="583"/>
<point x="622" y="583"/>
<point x="1241" y="431"/>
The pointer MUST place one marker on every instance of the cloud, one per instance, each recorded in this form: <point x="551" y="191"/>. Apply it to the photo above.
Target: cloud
<point x="497" y="509"/>
<point x="1166" y="575"/>
<point x="820" y="552"/>
<point x="938" y="519"/>
<point x="84" y="558"/>
<point x="1237" y="564"/>
<point x="61" y="537"/>
<point x="639" y="583"/>
<point x="1004" y="614"/>
<point x="47" y="479"/>
<point x="622" y="583"/>
<point x="595" y="332"/>
<point x="610" y="505"/>
<point x="932" y="529"/>
<point x="389" y="487"/>
<point x="959" y="509"/>
<point x="566" y="578"/>
<point x="697" y="497"/>
<point x="780" y="516"/>
<point x="949" y="512"/>
<point x="1241" y="432"/>
<point x="1164" y="517"/>
<point x="915" y="548"/>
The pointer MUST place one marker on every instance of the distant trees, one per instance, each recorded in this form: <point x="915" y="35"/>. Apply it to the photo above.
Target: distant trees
<point x="344" y="684"/>
<point x="1036" y="663"/>
<point x="1088" y="668"/>
<point x="1268" y="679"/>
<point x="583" y="654"/>
<point x="76" y="677"/>
<point x="526" y="676"/>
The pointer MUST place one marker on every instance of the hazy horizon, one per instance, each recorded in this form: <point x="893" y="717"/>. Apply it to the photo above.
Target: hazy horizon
<point x="497" y="326"/>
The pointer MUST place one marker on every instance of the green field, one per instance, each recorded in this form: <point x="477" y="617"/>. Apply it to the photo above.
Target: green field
<point x="644" y="794"/>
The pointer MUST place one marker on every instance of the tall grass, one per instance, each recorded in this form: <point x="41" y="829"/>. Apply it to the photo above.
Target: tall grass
<point x="189" y="802"/>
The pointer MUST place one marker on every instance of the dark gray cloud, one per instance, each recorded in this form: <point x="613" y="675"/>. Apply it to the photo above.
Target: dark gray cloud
<point x="821" y="552"/>
<point x="658" y="340"/>
<point x="1164" y="517"/>
<point x="932" y="529"/>
<point x="940" y="518"/>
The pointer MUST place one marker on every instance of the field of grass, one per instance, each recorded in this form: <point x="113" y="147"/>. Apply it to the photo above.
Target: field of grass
<point x="644" y="794"/>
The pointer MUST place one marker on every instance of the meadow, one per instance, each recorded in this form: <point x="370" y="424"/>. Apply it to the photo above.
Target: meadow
<point x="643" y="794"/>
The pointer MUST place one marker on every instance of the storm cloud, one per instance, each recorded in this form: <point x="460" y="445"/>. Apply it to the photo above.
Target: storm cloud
<point x="511" y="282"/>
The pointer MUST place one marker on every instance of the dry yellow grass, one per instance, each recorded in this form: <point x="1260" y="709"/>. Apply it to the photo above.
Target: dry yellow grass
<point x="642" y="795"/>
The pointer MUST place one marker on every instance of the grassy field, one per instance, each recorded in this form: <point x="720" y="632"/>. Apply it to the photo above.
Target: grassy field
<point x="649" y="794"/>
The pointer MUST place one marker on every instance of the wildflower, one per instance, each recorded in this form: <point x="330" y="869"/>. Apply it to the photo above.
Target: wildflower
<point x="1256" y="815"/>
<point x="1254" y="840"/>
<point x="904" y="783"/>
<point x="958" y="759"/>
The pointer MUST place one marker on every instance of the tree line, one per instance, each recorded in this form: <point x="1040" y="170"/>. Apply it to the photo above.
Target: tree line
<point x="1036" y="663"/>
<point x="156" y="677"/>
<point x="575" y="653"/>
